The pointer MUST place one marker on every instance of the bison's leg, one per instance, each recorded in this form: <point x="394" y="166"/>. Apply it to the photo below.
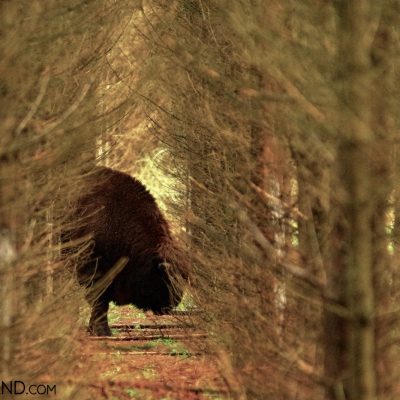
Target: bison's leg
<point x="98" y="324"/>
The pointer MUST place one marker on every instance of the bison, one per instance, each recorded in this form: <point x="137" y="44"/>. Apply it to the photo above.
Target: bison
<point x="133" y="258"/>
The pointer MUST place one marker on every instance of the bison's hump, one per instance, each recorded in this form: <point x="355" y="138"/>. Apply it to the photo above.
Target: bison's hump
<point x="118" y="208"/>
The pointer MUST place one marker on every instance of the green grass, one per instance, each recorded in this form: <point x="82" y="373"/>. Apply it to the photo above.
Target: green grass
<point x="111" y="372"/>
<point x="187" y="303"/>
<point x="133" y="393"/>
<point x="113" y="314"/>
<point x="138" y="314"/>
<point x="174" y="347"/>
<point x="134" y="347"/>
<point x="149" y="372"/>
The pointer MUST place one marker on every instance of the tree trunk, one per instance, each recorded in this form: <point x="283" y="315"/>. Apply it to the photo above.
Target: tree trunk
<point x="350" y="335"/>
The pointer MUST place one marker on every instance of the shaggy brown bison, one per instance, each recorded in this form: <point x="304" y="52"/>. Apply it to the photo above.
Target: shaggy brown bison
<point x="133" y="257"/>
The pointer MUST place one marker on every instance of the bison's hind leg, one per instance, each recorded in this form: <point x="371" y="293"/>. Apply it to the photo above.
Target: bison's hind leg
<point x="98" y="323"/>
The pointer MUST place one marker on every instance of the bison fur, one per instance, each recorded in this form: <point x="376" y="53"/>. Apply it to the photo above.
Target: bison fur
<point x="133" y="257"/>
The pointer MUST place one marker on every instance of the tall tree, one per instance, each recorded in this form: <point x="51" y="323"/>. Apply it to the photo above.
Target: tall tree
<point x="361" y="191"/>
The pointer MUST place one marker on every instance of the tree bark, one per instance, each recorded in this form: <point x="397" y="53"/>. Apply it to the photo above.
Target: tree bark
<point x="350" y="336"/>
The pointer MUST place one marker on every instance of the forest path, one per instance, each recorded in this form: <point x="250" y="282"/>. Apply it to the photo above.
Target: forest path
<point x="150" y="358"/>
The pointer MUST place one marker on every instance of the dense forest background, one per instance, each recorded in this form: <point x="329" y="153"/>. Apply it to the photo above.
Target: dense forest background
<point x="269" y="133"/>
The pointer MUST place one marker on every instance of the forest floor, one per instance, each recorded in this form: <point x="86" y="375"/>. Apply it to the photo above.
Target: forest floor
<point x="150" y="358"/>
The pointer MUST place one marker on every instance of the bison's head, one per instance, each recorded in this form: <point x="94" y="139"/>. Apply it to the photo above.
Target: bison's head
<point x="162" y="288"/>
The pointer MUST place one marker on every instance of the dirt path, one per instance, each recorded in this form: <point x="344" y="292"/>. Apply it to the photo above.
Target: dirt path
<point x="150" y="357"/>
